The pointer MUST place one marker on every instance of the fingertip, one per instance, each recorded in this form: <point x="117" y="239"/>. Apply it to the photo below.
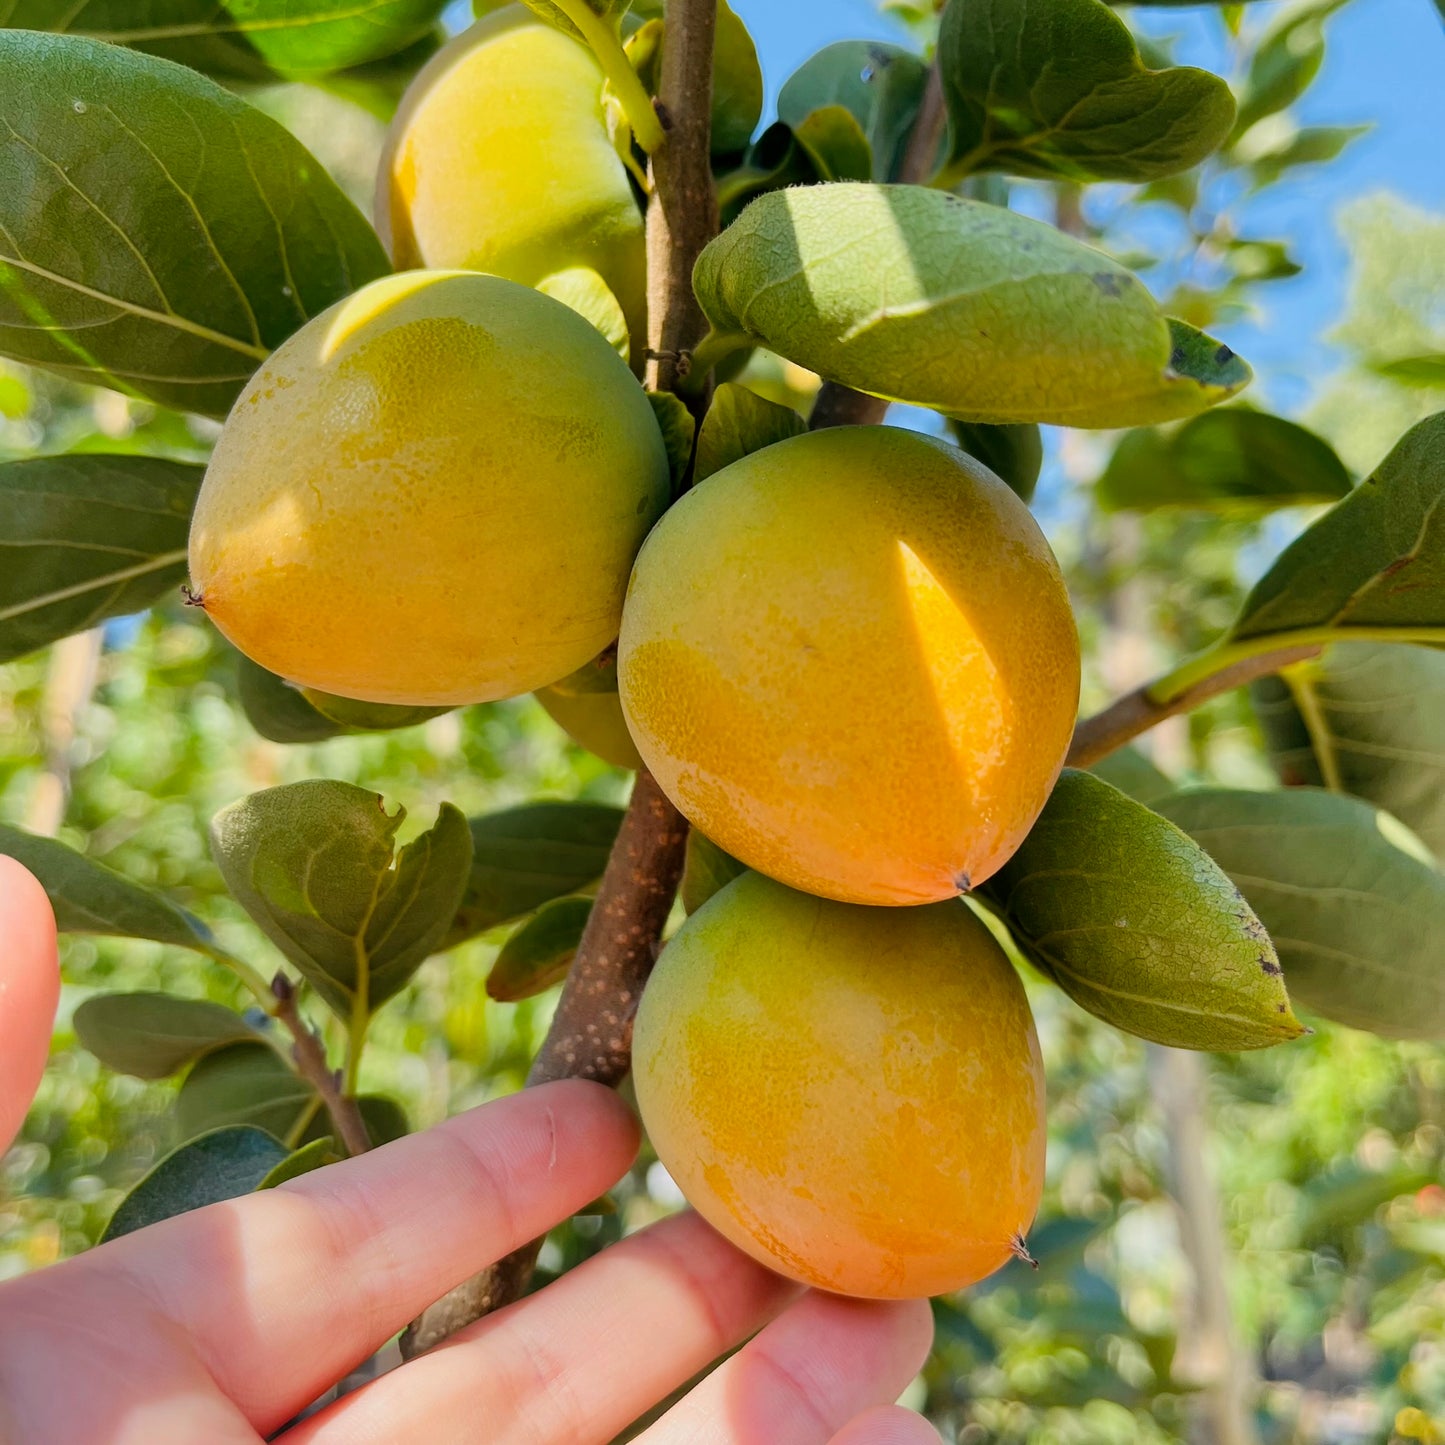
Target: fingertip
<point x="29" y="990"/>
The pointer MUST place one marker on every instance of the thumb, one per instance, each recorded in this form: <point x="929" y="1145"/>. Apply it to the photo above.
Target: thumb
<point x="29" y="991"/>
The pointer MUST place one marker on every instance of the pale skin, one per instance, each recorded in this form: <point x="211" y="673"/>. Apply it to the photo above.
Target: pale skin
<point x="222" y="1324"/>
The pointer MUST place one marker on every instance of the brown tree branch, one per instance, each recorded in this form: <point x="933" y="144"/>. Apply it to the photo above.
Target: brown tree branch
<point x="920" y="159"/>
<point x="1136" y="712"/>
<point x="311" y="1064"/>
<point x="591" y="1032"/>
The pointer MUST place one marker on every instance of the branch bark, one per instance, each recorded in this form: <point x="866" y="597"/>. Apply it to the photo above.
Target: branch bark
<point x="920" y="158"/>
<point x="312" y="1065"/>
<point x="591" y="1032"/>
<point x="1136" y="712"/>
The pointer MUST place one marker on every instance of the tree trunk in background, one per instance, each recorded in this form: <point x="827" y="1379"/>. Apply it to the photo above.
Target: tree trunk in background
<point x="73" y="664"/>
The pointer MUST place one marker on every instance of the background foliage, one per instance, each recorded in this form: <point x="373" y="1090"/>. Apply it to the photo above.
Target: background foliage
<point x="1327" y="1152"/>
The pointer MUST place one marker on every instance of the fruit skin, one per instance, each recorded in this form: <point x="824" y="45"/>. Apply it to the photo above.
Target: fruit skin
<point x="593" y="721"/>
<point x="429" y="495"/>
<point x="849" y="658"/>
<point x="499" y="160"/>
<point x="852" y="1095"/>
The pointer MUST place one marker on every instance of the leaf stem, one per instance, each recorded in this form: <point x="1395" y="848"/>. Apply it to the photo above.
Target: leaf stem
<point x="311" y="1063"/>
<point x="606" y="45"/>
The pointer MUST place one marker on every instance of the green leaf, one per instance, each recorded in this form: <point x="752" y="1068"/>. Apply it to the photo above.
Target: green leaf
<point x="678" y="429"/>
<point x="1135" y="923"/>
<point x="314" y="864"/>
<point x="593" y="721"/>
<point x="89" y="898"/>
<point x="1285" y="61"/>
<point x="1059" y="89"/>
<point x="1356" y="913"/>
<point x="1366" y="719"/>
<point x="276" y="709"/>
<point x="525" y="857"/>
<point x="1131" y="772"/>
<point x="1428" y="370"/>
<point x="157" y="234"/>
<point x="880" y="85"/>
<point x="835" y="144"/>
<point x="540" y="951"/>
<point x="154" y="1035"/>
<point x="1262" y="260"/>
<point x="581" y="288"/>
<point x="591" y="679"/>
<point x="609" y="10"/>
<point x="220" y="1165"/>
<point x="1309" y="146"/>
<point x="919" y="296"/>
<point x="248" y="1084"/>
<point x="1014" y="453"/>
<point x="251" y="39"/>
<point x="775" y="160"/>
<point x="1375" y="560"/>
<point x="737" y="423"/>
<point x="316" y="1155"/>
<point x="384" y="1118"/>
<point x="84" y="538"/>
<point x="1228" y="459"/>
<point x="367" y="717"/>
<point x="1349" y="1195"/>
<point x="706" y="870"/>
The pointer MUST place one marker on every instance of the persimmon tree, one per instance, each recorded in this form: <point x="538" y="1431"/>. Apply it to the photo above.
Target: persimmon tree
<point x="162" y="237"/>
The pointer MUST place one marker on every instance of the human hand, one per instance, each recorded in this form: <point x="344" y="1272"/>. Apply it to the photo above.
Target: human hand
<point x="216" y="1327"/>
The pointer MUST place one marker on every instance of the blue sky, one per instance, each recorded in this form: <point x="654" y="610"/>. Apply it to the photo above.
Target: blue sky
<point x="1385" y="64"/>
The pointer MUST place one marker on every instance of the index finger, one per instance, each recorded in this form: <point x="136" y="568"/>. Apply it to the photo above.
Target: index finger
<point x="282" y="1292"/>
<point x="29" y="991"/>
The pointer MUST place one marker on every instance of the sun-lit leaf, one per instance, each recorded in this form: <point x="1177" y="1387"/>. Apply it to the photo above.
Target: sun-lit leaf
<point x="153" y="1035"/>
<point x="835" y="144"/>
<point x="706" y="870"/>
<point x="245" y="1083"/>
<point x="223" y="1164"/>
<point x="1136" y="924"/>
<point x="1013" y="453"/>
<point x="1356" y="912"/>
<point x="527" y="856"/>
<point x="880" y="85"/>
<point x="1366" y="719"/>
<point x="678" y="429"/>
<point x="1229" y="459"/>
<point x="1284" y="62"/>
<point x="1060" y="89"/>
<point x="252" y="39"/>
<point x="1426" y="370"/>
<point x="540" y="951"/>
<point x="916" y="295"/>
<point x="581" y="288"/>
<point x="157" y="234"/>
<point x="1306" y="147"/>
<point x="315" y="865"/>
<point x="84" y="538"/>
<point x="594" y="721"/>
<point x="1375" y="560"/>
<point x="89" y="898"/>
<point x="740" y="422"/>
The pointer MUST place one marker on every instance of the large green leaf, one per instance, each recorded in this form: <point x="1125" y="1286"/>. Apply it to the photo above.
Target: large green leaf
<point x="1376" y="560"/>
<point x="89" y="898"/>
<point x="1366" y="719"/>
<point x="1132" y="920"/>
<point x="1059" y="89"/>
<point x="247" y="39"/>
<point x="540" y="951"/>
<point x="276" y="709"/>
<point x="880" y="85"/>
<point x="87" y="537"/>
<point x="246" y="1083"/>
<point x="525" y="857"/>
<point x="919" y="296"/>
<point x="221" y="1165"/>
<point x="1013" y="453"/>
<point x="1226" y="459"/>
<point x="738" y="422"/>
<point x="154" y="1035"/>
<point x="315" y="865"/>
<point x="1357" y="914"/>
<point x="157" y="234"/>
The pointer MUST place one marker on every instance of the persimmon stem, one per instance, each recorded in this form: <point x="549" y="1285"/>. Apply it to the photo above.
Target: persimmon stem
<point x="606" y="45"/>
<point x="591" y="1032"/>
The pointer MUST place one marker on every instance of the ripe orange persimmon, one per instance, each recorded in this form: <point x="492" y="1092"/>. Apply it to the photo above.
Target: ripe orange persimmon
<point x="852" y="1095"/>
